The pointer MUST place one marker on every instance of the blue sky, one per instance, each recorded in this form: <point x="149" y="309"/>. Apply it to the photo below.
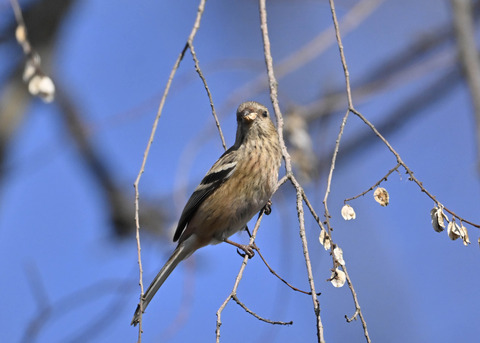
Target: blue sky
<point x="56" y="243"/>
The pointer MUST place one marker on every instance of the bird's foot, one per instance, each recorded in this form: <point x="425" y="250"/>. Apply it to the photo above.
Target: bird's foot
<point x="246" y="248"/>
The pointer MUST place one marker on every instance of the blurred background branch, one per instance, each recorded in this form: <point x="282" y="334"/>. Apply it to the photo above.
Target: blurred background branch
<point x="464" y="30"/>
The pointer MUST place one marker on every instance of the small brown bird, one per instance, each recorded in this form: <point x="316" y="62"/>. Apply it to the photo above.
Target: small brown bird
<point x="237" y="186"/>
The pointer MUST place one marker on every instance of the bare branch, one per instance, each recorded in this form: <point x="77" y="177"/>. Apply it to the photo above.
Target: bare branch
<point x="408" y="170"/>
<point x="233" y="293"/>
<point x="273" y="84"/>
<point x="278" y="276"/>
<point x="242" y="305"/>
<point x="400" y="162"/>
<point x="375" y="185"/>
<point x="332" y="167"/>
<point x="193" y="32"/>
<point x="199" y="71"/>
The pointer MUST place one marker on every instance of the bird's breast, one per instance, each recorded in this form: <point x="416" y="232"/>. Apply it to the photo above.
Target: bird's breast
<point x="244" y="194"/>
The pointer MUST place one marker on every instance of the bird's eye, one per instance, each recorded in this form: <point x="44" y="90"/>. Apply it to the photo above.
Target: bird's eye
<point x="265" y="114"/>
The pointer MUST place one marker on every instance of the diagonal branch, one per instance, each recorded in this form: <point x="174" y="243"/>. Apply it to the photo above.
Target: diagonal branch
<point x="274" y="322"/>
<point x="278" y="276"/>
<point x="200" y="73"/>
<point x="375" y="185"/>
<point x="233" y="293"/>
<point x="196" y="26"/>
<point x="410" y="173"/>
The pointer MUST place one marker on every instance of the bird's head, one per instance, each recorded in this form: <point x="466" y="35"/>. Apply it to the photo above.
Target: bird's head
<point x="250" y="111"/>
<point x="253" y="121"/>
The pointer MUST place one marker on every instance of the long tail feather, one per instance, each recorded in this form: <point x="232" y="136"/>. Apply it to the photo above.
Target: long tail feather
<point x="184" y="250"/>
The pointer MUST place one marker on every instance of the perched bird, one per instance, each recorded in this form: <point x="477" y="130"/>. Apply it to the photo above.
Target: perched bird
<point x="237" y="186"/>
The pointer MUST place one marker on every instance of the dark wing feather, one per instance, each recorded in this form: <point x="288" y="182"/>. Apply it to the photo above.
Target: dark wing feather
<point x="218" y="174"/>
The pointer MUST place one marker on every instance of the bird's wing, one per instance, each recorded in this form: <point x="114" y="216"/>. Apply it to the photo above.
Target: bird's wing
<point x="220" y="172"/>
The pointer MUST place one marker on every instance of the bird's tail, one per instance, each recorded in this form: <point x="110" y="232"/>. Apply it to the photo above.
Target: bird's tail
<point x="182" y="251"/>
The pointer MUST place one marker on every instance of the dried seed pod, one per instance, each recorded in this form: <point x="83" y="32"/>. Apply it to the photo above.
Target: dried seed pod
<point x="348" y="213"/>
<point x="464" y="235"/>
<point x="453" y="230"/>
<point x="437" y="219"/>
<point x="338" y="278"/>
<point x="381" y="196"/>
<point x="325" y="239"/>
<point x="338" y="254"/>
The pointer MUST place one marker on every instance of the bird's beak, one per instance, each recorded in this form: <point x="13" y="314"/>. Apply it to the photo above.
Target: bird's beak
<point x="250" y="116"/>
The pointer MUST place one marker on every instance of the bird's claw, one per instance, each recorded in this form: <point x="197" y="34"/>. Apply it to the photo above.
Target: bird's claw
<point x="247" y="249"/>
<point x="267" y="209"/>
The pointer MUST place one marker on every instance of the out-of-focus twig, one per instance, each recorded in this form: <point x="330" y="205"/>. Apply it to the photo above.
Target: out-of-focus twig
<point x="463" y="24"/>
<point x="120" y="211"/>
<point x="300" y="57"/>
<point x="48" y="311"/>
<point x="43" y="19"/>
<point x="39" y="84"/>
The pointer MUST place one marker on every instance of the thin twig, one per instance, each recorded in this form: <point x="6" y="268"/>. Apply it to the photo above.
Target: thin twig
<point x="282" y="181"/>
<point x="194" y="31"/>
<point x="278" y="276"/>
<point x="375" y="185"/>
<point x="315" y="215"/>
<point x="403" y="114"/>
<point x="358" y="13"/>
<point x="358" y="311"/>
<point x="66" y="305"/>
<point x="288" y="165"/>
<point x="342" y="54"/>
<point x="199" y="71"/>
<point x="332" y="166"/>
<point x="312" y="211"/>
<point x="242" y="305"/>
<point x="412" y="177"/>
<point x="351" y="108"/>
<point x="352" y="318"/>
<point x="233" y="293"/>
<point x="345" y="117"/>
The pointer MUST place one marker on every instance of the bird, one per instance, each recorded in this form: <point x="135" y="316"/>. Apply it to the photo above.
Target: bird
<point x="238" y="185"/>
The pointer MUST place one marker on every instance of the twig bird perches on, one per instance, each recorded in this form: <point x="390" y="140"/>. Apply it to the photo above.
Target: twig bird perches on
<point x="237" y="186"/>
